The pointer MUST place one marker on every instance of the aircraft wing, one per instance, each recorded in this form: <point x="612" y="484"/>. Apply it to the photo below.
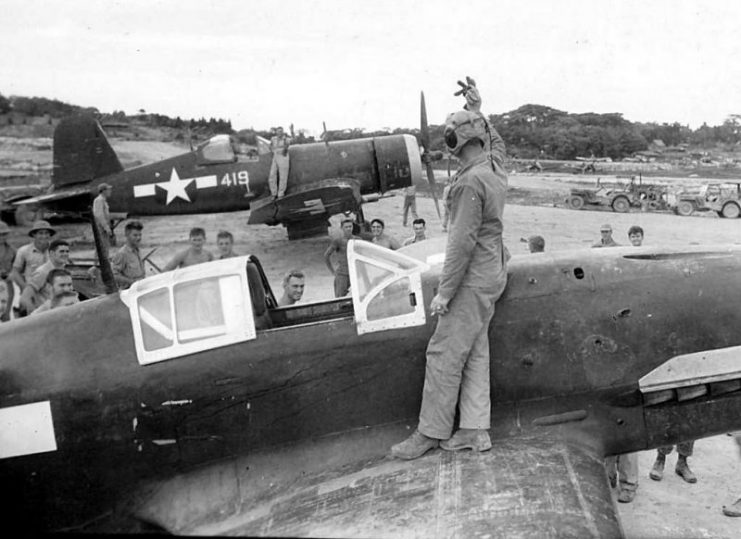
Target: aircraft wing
<point x="325" y="198"/>
<point x="523" y="487"/>
<point x="73" y="199"/>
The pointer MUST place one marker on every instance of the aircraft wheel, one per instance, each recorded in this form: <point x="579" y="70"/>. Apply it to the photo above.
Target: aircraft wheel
<point x="25" y="215"/>
<point x="576" y="202"/>
<point x="731" y="210"/>
<point x="621" y="205"/>
<point x="685" y="208"/>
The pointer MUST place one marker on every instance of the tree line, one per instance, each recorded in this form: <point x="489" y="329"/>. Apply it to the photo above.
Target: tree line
<point x="529" y="131"/>
<point x="539" y="131"/>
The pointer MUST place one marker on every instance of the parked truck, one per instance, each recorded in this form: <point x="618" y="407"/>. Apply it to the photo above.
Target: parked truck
<point x="724" y="198"/>
<point x="637" y="195"/>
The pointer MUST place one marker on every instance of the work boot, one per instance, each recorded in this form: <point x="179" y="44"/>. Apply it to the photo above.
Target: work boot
<point x="733" y="510"/>
<point x="626" y="495"/>
<point x="683" y="470"/>
<point x="657" y="472"/>
<point x="475" y="439"/>
<point x="414" y="447"/>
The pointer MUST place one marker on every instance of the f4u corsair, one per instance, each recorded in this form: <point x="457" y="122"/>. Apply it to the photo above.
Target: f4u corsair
<point x="324" y="178"/>
<point x="195" y="404"/>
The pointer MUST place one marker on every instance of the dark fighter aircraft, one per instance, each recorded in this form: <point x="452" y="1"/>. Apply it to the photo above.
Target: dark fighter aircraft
<point x="324" y="178"/>
<point x="193" y="403"/>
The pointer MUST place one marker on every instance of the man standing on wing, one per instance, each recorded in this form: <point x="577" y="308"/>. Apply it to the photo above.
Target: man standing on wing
<point x="474" y="276"/>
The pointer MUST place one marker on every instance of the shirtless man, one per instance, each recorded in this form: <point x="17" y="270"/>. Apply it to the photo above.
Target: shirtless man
<point x="342" y="271"/>
<point x="195" y="254"/>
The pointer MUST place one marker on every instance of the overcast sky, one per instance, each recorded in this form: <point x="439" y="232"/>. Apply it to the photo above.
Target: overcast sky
<point x="363" y="64"/>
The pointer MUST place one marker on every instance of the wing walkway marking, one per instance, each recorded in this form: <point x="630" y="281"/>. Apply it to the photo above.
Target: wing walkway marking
<point x="579" y="494"/>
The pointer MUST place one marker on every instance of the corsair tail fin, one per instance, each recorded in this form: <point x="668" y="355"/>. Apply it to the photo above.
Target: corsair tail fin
<point x="82" y="152"/>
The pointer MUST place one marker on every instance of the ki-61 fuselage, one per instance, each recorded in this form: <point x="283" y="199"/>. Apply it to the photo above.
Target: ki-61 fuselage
<point x="610" y="350"/>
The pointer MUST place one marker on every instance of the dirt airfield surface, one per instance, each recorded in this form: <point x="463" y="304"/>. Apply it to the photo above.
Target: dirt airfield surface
<point x="670" y="508"/>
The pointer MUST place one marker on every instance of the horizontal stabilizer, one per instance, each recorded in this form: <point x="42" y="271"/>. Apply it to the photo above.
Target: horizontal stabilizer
<point x="66" y="194"/>
<point x="324" y="198"/>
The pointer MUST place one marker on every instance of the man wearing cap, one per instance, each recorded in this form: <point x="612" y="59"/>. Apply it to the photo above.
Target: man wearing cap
<point x="606" y="239"/>
<point x="7" y="255"/>
<point x="102" y="214"/>
<point x="32" y="255"/>
<point x="37" y="289"/>
<point x="127" y="264"/>
<point x="473" y="277"/>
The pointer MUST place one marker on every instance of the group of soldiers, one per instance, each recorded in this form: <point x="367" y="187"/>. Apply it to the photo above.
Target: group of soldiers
<point x="128" y="266"/>
<point x="35" y="278"/>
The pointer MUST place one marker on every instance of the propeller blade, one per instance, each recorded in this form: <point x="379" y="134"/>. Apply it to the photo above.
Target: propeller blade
<point x="431" y="181"/>
<point x="424" y="136"/>
<point x="424" y="130"/>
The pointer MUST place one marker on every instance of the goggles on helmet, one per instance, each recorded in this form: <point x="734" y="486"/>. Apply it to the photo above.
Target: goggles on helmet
<point x="462" y="126"/>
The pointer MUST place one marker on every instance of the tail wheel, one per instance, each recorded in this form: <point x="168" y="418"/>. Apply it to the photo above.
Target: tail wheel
<point x="621" y="205"/>
<point x="685" y="208"/>
<point x="576" y="202"/>
<point x="731" y="210"/>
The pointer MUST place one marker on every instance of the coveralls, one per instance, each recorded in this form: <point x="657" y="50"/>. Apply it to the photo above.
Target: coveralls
<point x="684" y="449"/>
<point x="626" y="466"/>
<point x="474" y="276"/>
<point x="278" y="179"/>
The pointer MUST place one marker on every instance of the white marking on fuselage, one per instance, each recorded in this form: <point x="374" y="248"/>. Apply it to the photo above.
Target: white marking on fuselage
<point x="315" y="206"/>
<point x="203" y="182"/>
<point x="146" y="190"/>
<point x="167" y="441"/>
<point x="177" y="403"/>
<point x="175" y="187"/>
<point x="26" y="429"/>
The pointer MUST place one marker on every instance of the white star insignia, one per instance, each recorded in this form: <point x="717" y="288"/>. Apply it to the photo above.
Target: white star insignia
<point x="176" y="187"/>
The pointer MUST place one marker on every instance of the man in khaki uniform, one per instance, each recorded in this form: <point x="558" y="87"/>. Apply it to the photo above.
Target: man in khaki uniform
<point x="278" y="179"/>
<point x="38" y="289"/>
<point x="474" y="276"/>
<point x="127" y="264"/>
<point x="7" y="255"/>
<point x="606" y="239"/>
<point x="102" y="214"/>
